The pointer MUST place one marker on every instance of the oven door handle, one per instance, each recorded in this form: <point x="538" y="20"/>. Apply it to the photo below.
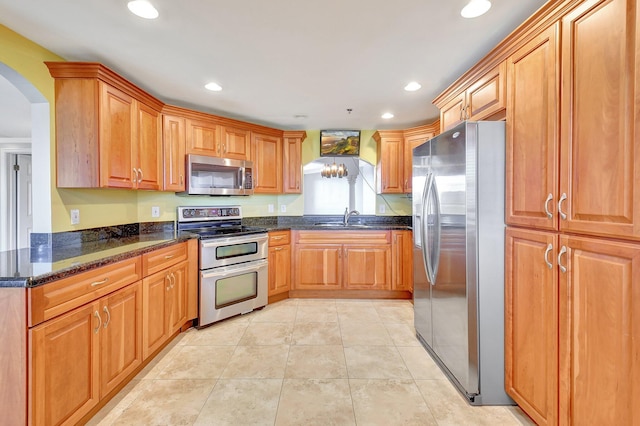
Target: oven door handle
<point x="241" y="267"/>
<point x="215" y="242"/>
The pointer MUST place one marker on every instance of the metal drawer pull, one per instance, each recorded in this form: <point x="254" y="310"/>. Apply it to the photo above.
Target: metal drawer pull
<point x="277" y="238"/>
<point x="562" y="198"/>
<point x="106" y="310"/>
<point x="277" y="248"/>
<point x="140" y="179"/>
<point x="97" y="283"/>
<point x="135" y="172"/>
<point x="546" y="256"/>
<point x="546" y="206"/>
<point x="97" y="315"/>
<point x="563" y="250"/>
<point x="169" y="256"/>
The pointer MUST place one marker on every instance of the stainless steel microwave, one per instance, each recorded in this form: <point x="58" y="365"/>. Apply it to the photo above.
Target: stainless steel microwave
<point x="218" y="176"/>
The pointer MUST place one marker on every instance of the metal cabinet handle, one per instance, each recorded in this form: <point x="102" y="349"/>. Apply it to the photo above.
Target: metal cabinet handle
<point x="169" y="256"/>
<point x="106" y="310"/>
<point x="461" y="110"/>
<point x="562" y="198"/>
<point x="181" y="179"/>
<point x="135" y="177"/>
<point x="168" y="278"/>
<point x="277" y="248"/>
<point x="224" y="148"/>
<point x="546" y="206"/>
<point x="97" y="315"/>
<point x="97" y="283"/>
<point x="141" y="176"/>
<point x="279" y="237"/>
<point x="563" y="250"/>
<point x="466" y="112"/>
<point x="546" y="256"/>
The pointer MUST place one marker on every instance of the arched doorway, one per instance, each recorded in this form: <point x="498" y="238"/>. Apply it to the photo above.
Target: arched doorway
<point x="25" y="199"/>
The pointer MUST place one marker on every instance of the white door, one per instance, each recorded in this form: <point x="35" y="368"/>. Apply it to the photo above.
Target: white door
<point x="23" y="200"/>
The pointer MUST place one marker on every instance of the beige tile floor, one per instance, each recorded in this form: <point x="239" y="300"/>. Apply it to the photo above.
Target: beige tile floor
<point x="300" y="362"/>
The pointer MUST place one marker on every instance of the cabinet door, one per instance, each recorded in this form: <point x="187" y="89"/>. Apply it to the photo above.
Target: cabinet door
<point x="318" y="267"/>
<point x="292" y="166"/>
<point x="452" y="113"/>
<point x="267" y="161"/>
<point x="486" y="96"/>
<point x="532" y="133"/>
<point x="367" y="267"/>
<point x="148" y="148"/>
<point x="177" y="300"/>
<point x="174" y="153"/>
<point x="600" y="159"/>
<point x="279" y="269"/>
<point x="390" y="169"/>
<point x="531" y="323"/>
<point x="402" y="261"/>
<point x="65" y="366"/>
<point x="235" y="143"/>
<point x="409" y="144"/>
<point x="599" y="332"/>
<point x="155" y="296"/>
<point x="202" y="138"/>
<point x="116" y="138"/>
<point x="121" y="336"/>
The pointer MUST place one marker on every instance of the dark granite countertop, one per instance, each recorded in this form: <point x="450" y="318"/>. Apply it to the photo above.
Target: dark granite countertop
<point x="56" y="256"/>
<point x="39" y="265"/>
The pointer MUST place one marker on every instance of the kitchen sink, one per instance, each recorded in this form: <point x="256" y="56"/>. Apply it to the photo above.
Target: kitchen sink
<point x="340" y="225"/>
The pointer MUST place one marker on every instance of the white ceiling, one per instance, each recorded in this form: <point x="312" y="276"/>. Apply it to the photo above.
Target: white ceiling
<point x="279" y="59"/>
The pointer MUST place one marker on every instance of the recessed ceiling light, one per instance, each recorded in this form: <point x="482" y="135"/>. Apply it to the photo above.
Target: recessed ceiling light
<point x="143" y="9"/>
<point x="475" y="8"/>
<point x="214" y="87"/>
<point x="387" y="115"/>
<point x="413" y="86"/>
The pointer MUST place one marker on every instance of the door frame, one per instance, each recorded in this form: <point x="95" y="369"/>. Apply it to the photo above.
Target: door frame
<point x="7" y="210"/>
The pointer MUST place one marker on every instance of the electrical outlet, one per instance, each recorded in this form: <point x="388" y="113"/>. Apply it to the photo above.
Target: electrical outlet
<point x="270" y="207"/>
<point x="75" y="216"/>
<point x="283" y="208"/>
<point x="382" y="208"/>
<point x="155" y="211"/>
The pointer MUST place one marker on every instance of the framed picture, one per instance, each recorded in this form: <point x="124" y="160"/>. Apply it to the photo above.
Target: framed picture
<point x="336" y="143"/>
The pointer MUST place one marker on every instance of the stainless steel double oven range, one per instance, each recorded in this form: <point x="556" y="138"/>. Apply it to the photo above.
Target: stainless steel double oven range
<point x="232" y="261"/>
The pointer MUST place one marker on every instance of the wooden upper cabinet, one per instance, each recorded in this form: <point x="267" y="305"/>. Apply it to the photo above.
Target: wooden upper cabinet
<point x="107" y="130"/>
<point x="266" y="153"/>
<point x="292" y="164"/>
<point x="390" y="168"/>
<point x="413" y="138"/>
<point x="532" y="151"/>
<point x="600" y="158"/>
<point x="531" y="323"/>
<point x="236" y="143"/>
<point x="147" y="152"/>
<point x="599" y="333"/>
<point x="203" y="137"/>
<point x="174" y="145"/>
<point x="483" y="99"/>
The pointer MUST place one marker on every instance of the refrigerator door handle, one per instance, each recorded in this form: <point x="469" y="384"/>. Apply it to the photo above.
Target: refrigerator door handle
<point x="438" y="229"/>
<point x="426" y="254"/>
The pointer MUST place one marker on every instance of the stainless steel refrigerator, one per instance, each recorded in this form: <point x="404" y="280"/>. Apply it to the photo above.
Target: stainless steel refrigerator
<point x="458" y="235"/>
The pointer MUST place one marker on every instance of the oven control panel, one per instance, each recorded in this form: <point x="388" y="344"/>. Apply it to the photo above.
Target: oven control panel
<point x="190" y="214"/>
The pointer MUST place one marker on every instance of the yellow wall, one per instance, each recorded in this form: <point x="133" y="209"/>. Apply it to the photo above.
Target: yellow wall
<point x="105" y="207"/>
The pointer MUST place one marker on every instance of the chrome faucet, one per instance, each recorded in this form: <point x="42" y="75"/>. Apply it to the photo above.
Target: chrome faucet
<point x="348" y="214"/>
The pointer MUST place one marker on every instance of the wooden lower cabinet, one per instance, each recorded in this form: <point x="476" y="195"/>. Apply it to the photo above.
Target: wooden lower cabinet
<point x="279" y="262"/>
<point x="164" y="307"/>
<point x="571" y="332"/>
<point x="531" y="323"/>
<point x="80" y="356"/>
<point x="342" y="260"/>
<point x="402" y="260"/>
<point x="599" y="332"/>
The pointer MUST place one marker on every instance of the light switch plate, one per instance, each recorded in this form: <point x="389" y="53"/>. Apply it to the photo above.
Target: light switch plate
<point x="155" y="211"/>
<point x="75" y="216"/>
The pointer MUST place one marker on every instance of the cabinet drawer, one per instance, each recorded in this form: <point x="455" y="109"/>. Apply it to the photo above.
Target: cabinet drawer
<point x="160" y="259"/>
<point x="279" y="238"/>
<point x="53" y="299"/>
<point x="339" y="237"/>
